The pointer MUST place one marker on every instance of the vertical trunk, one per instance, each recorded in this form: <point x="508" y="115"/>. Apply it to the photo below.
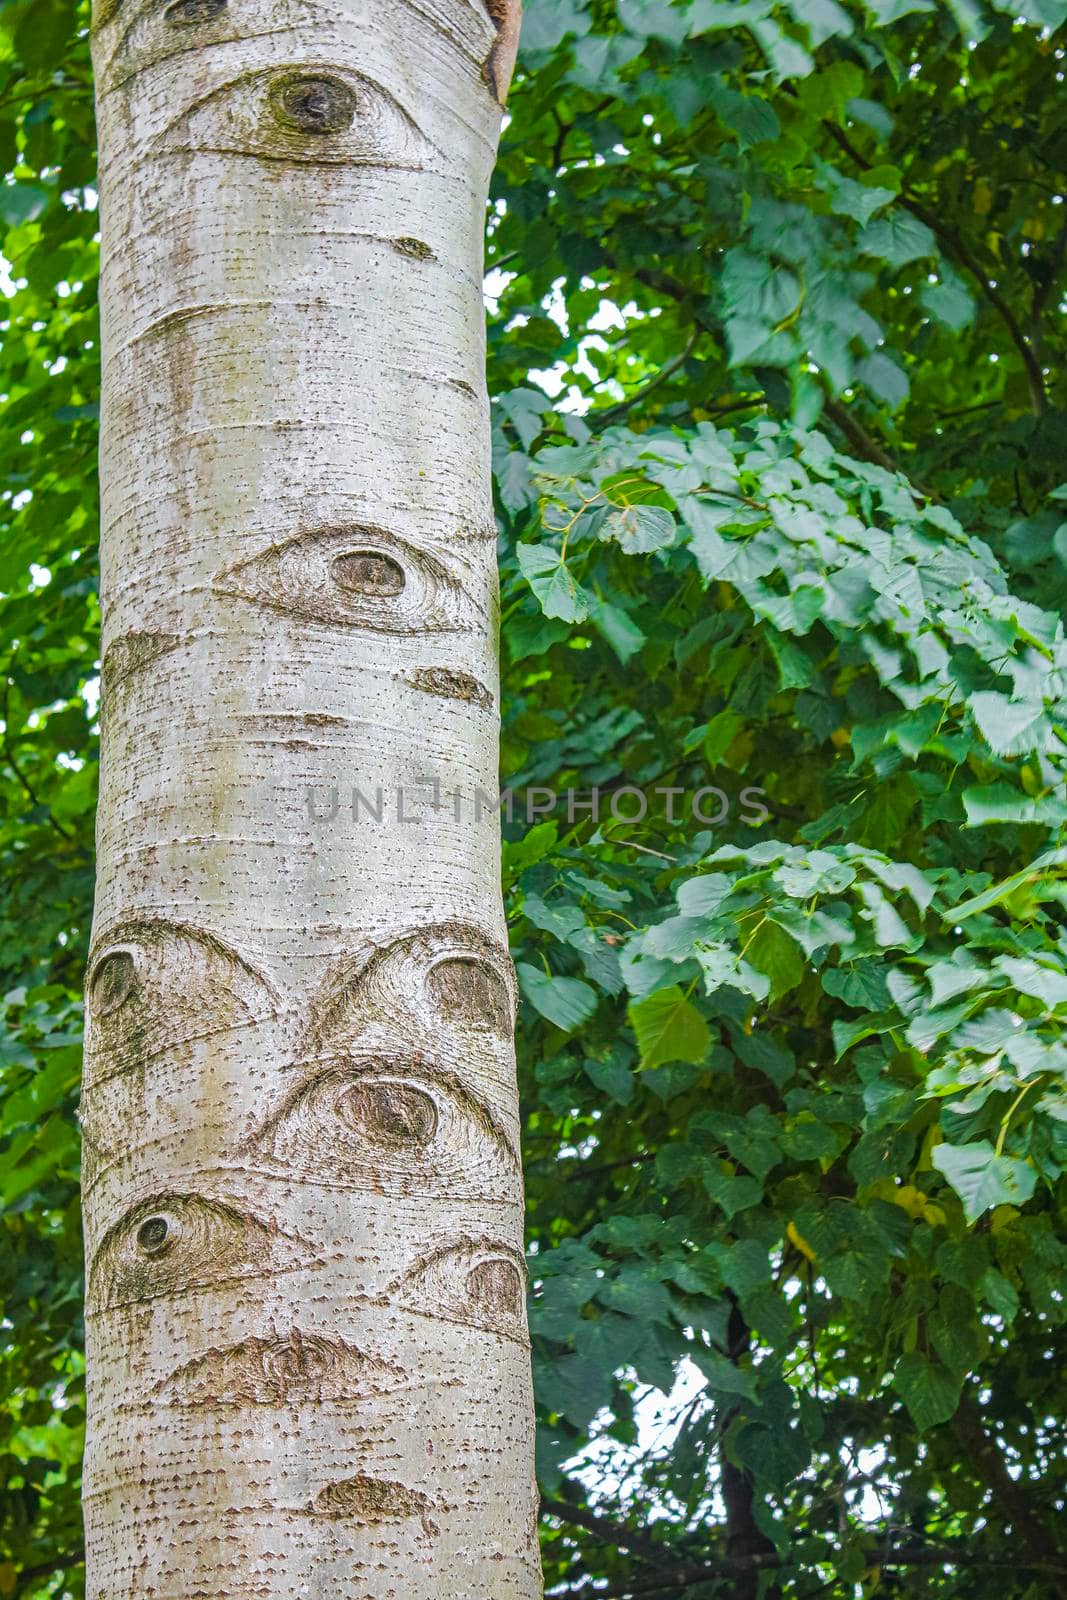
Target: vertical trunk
<point x="308" y="1369"/>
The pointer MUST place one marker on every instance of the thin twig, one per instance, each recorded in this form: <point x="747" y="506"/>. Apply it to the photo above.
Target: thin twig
<point x="23" y="781"/>
<point x="605" y="1529"/>
<point x="628" y="844"/>
<point x="612" y="412"/>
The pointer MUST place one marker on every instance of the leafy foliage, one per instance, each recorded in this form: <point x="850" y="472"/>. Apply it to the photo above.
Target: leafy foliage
<point x="776" y="347"/>
<point x="48" y="646"/>
<point x="784" y="545"/>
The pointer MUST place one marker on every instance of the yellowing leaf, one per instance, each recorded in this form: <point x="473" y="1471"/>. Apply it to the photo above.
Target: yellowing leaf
<point x="932" y="1138"/>
<point x="910" y="1199"/>
<point x="796" y="1238"/>
<point x="982" y="198"/>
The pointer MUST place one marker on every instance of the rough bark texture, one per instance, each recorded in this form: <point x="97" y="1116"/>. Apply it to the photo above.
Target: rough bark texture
<point x="308" y="1364"/>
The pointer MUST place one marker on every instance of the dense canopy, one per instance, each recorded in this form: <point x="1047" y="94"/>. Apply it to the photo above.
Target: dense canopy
<point x="776" y="336"/>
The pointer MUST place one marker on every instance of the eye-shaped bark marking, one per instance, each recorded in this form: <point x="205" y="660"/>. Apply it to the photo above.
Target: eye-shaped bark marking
<point x="149" y="31"/>
<point x="466" y="976"/>
<point x="468" y="991"/>
<point x="452" y="685"/>
<point x="192" y="13"/>
<point x="173" y="1243"/>
<point x="366" y="1499"/>
<point x="356" y="577"/>
<point x="292" y="1369"/>
<point x="155" y="985"/>
<point x="478" y="1282"/>
<point x="397" y="1127"/>
<point x="305" y="114"/>
<point x="113" y="981"/>
<point x="131" y="652"/>
<point x="173" y="12"/>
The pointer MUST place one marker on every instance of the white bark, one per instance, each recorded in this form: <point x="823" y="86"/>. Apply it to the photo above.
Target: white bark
<point x="308" y="1364"/>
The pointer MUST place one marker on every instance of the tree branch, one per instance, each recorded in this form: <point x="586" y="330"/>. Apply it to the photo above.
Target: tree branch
<point x="605" y="1529"/>
<point x="611" y="413"/>
<point x="1009" y="1494"/>
<point x="964" y="256"/>
<point x="1043" y="290"/>
<point x="24" y="782"/>
<point x="861" y="442"/>
<point x="745" y="1539"/>
<point x="866" y="447"/>
<point x="44" y="1568"/>
<point x="690" y="1574"/>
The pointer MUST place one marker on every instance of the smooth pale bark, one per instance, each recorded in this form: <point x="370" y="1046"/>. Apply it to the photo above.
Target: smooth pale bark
<point x="307" y="1353"/>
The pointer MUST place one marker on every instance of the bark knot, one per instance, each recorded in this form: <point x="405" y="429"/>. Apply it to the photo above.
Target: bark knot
<point x="188" y="13"/>
<point x="452" y="684"/>
<point x="417" y="249"/>
<point x="367" y="1499"/>
<point x="312" y="103"/>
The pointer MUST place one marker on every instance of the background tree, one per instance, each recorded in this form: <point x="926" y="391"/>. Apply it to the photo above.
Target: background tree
<point x="793" y="1114"/>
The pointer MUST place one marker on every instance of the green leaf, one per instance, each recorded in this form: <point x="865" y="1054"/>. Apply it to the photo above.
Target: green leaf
<point x="566" y="1002"/>
<point x="889" y="11"/>
<point x="1047" y="983"/>
<point x="999" y="1294"/>
<point x="722" y="1375"/>
<point x="1000" y="802"/>
<point x="1010" y="727"/>
<point x="772" y="952"/>
<point x="613" y="1078"/>
<point x="721" y="732"/>
<point x="731" y="1192"/>
<point x="526" y="408"/>
<point x="787" y="58"/>
<point x="862" y="985"/>
<point x="22" y="202"/>
<point x="998" y="892"/>
<point x="815" y="929"/>
<point x="534" y="846"/>
<point x="885" y="379"/>
<point x="898" y="239"/>
<point x="639" y="529"/>
<point x="551" y="21"/>
<point x="930" y="1392"/>
<point x="620" y="631"/>
<point x="766" y="1055"/>
<point x="824" y="92"/>
<point x="949" y="301"/>
<point x="982" y="1179"/>
<point x="668" y="1027"/>
<point x="745" y="1267"/>
<point x="750" y="116"/>
<point x="557" y="591"/>
<point x="824" y="19"/>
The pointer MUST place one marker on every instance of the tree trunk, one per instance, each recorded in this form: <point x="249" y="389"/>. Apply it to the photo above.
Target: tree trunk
<point x="308" y="1362"/>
